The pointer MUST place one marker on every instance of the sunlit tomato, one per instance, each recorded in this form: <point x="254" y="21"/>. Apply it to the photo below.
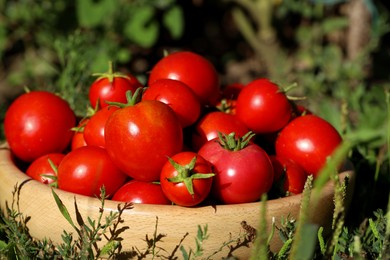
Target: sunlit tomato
<point x="94" y="128"/>
<point x="241" y="175"/>
<point x="263" y="107"/>
<point x="308" y="140"/>
<point x="141" y="192"/>
<point x="289" y="177"/>
<point x="211" y="123"/>
<point x="38" y="123"/>
<point x="87" y="169"/>
<point x="186" y="179"/>
<point x="112" y="87"/>
<point x="192" y="69"/>
<point x="41" y="169"/>
<point x="178" y="96"/>
<point x="140" y="137"/>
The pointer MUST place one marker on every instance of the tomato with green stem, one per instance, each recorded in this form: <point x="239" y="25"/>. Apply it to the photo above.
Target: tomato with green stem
<point x="211" y="123"/>
<point x="44" y="168"/>
<point x="141" y="135"/>
<point x="243" y="170"/>
<point x="112" y="87"/>
<point x="186" y="179"/>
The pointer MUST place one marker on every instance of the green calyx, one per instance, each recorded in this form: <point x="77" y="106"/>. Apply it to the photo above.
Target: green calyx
<point x="233" y="143"/>
<point x="131" y="98"/>
<point x="110" y="74"/>
<point x="186" y="174"/>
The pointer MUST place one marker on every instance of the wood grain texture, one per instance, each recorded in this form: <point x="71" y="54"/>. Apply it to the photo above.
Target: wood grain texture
<point x="224" y="221"/>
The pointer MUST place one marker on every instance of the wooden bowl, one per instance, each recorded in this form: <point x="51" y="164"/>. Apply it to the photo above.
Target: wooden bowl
<point x="224" y="222"/>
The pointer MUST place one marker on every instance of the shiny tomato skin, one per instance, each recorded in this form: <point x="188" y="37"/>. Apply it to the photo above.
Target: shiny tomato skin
<point x="240" y="176"/>
<point x="103" y="90"/>
<point x="139" y="138"/>
<point x="85" y="170"/>
<point x="41" y="166"/>
<point x="94" y="128"/>
<point x="141" y="192"/>
<point x="263" y="107"/>
<point x="192" y="69"/>
<point x="289" y="177"/>
<point x="38" y="123"/>
<point x="211" y="123"/>
<point x="178" y="96"/>
<point x="308" y="140"/>
<point x="178" y="192"/>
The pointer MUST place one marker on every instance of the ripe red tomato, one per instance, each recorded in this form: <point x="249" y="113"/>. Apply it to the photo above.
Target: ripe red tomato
<point x="38" y="123"/>
<point x="178" y="96"/>
<point x="192" y="69"/>
<point x="263" y="107"/>
<point x="289" y="177"/>
<point x="139" y="138"/>
<point x="308" y="140"/>
<point x="241" y="175"/>
<point x="78" y="139"/>
<point x="94" y="128"/>
<point x="111" y="86"/>
<point x="41" y="168"/>
<point x="211" y="123"/>
<point x="85" y="170"/>
<point x="186" y="179"/>
<point x="141" y="192"/>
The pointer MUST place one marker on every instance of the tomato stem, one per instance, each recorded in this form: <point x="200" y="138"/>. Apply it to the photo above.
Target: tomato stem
<point x="110" y="74"/>
<point x="186" y="174"/>
<point x="233" y="143"/>
<point x="131" y="98"/>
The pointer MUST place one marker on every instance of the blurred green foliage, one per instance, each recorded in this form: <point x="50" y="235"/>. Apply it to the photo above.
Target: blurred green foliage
<point x="32" y="34"/>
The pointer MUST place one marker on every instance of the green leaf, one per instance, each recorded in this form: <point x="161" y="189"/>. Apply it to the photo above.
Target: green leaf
<point x="141" y="28"/>
<point x="64" y="211"/>
<point x="307" y="243"/>
<point x="91" y="13"/>
<point x="173" y="20"/>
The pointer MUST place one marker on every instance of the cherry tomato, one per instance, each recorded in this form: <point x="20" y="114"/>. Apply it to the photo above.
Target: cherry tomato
<point x="192" y="69"/>
<point x="141" y="192"/>
<point x="263" y="107"/>
<point x="308" y="140"/>
<point x="289" y="177"/>
<point x="243" y="171"/>
<point x="85" y="170"/>
<point x="78" y="139"/>
<point x="94" y="128"/>
<point x="41" y="168"/>
<point x="178" y="96"/>
<point x="140" y="137"/>
<point x="211" y="123"/>
<point x="38" y="123"/>
<point x="111" y="86"/>
<point x="186" y="179"/>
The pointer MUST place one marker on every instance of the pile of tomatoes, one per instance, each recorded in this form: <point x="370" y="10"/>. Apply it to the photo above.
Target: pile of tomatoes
<point x="180" y="140"/>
